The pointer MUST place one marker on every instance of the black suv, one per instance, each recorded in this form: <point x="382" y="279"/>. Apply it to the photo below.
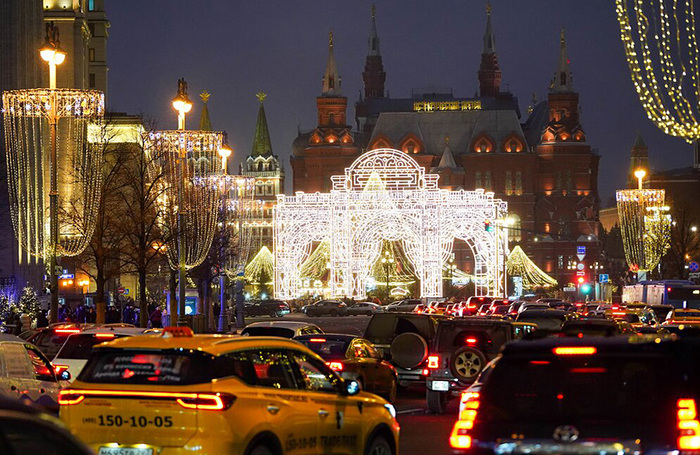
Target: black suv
<point x="403" y="339"/>
<point x="602" y="395"/>
<point x="272" y="308"/>
<point x="461" y="349"/>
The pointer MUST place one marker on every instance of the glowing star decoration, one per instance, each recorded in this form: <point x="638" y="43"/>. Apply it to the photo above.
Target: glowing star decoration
<point x="646" y="227"/>
<point x="28" y="115"/>
<point x="660" y="42"/>
<point x="519" y="265"/>
<point x="199" y="185"/>
<point x="406" y="207"/>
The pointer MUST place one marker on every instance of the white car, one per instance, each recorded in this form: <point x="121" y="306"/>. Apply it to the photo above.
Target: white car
<point x="284" y="329"/>
<point x="74" y="353"/>
<point x="26" y="373"/>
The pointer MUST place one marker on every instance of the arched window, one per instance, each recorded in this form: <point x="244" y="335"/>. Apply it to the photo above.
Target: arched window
<point x="488" y="185"/>
<point x="518" y="183"/>
<point x="515" y="228"/>
<point x="477" y="180"/>
<point x="509" y="184"/>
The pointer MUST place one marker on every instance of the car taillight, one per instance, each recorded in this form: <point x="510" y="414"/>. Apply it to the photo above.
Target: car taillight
<point x="688" y="425"/>
<point x="459" y="438"/>
<point x="425" y="372"/>
<point x="471" y="340"/>
<point x="335" y="366"/>
<point x="104" y="336"/>
<point x="207" y="401"/>
<point x="69" y="397"/>
<point x="433" y="361"/>
<point x="575" y="350"/>
<point x="66" y="331"/>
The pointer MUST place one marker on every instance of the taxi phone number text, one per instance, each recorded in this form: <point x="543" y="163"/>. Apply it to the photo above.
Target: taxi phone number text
<point x="133" y="421"/>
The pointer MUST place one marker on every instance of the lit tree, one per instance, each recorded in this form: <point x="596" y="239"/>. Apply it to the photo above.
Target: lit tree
<point x="685" y="241"/>
<point x="28" y="303"/>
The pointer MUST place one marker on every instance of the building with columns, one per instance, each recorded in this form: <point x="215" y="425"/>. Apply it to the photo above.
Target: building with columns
<point x="268" y="172"/>
<point x="542" y="165"/>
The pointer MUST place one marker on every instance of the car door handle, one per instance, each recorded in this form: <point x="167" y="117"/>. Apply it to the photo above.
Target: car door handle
<point x="322" y="413"/>
<point x="273" y="409"/>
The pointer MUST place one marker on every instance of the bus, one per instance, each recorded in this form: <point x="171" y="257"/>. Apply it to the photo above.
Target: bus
<point x="677" y="293"/>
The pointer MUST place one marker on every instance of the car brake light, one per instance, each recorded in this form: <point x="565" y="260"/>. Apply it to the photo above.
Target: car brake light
<point x="335" y="366"/>
<point x="688" y="425"/>
<point x="69" y="397"/>
<point x="433" y="361"/>
<point x="539" y="362"/>
<point x="459" y="438"/>
<point x="575" y="350"/>
<point x="317" y="340"/>
<point x="207" y="401"/>
<point x="104" y="336"/>
<point x="425" y="372"/>
<point x="66" y="331"/>
<point x="471" y="340"/>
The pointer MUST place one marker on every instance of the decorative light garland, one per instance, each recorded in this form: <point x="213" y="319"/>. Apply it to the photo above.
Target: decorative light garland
<point x="78" y="114"/>
<point x="668" y="87"/>
<point x="262" y="262"/>
<point x="199" y="186"/>
<point x="645" y="223"/>
<point x="239" y="192"/>
<point x="518" y="264"/>
<point x="385" y="195"/>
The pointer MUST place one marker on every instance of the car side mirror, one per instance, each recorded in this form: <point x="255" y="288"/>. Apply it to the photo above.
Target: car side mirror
<point x="65" y="375"/>
<point x="351" y="388"/>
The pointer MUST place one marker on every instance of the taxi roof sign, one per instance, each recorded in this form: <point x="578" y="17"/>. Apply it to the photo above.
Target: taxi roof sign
<point x="178" y="332"/>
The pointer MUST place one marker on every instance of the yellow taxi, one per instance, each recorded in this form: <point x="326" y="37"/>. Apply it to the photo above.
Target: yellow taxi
<point x="215" y="394"/>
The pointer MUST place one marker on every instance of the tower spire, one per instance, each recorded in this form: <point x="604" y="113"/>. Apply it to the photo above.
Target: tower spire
<point x="262" y="146"/>
<point x="331" y="79"/>
<point x="563" y="82"/>
<point x="204" y="120"/>
<point x="489" y="40"/>
<point x="373" y="41"/>
<point x="489" y="71"/>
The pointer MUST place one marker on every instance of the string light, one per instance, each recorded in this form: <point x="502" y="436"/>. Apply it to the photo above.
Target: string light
<point x="262" y="264"/>
<point x="668" y="86"/>
<point x="240" y="205"/>
<point x="645" y="223"/>
<point x="199" y="185"/>
<point x="518" y="264"/>
<point x="80" y="143"/>
<point x="385" y="195"/>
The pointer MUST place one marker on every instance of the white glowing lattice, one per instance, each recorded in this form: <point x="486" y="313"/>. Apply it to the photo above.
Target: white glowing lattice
<point x="386" y="195"/>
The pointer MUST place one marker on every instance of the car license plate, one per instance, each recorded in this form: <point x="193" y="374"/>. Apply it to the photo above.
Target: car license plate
<point x="125" y="451"/>
<point x="441" y="386"/>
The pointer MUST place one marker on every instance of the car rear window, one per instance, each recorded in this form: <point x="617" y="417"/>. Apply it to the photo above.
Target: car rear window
<point x="580" y="388"/>
<point x="601" y="330"/>
<point x="80" y="346"/>
<point x="452" y="335"/>
<point x="268" y="332"/>
<point x="543" y="322"/>
<point x="50" y="342"/>
<point x="327" y="349"/>
<point x="148" y="367"/>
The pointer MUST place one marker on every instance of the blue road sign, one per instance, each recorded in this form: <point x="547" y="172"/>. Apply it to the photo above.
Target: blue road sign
<point x="694" y="266"/>
<point x="581" y="250"/>
<point x="603" y="278"/>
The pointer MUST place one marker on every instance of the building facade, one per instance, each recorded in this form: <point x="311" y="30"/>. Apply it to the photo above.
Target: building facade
<point x="268" y="172"/>
<point x="542" y="165"/>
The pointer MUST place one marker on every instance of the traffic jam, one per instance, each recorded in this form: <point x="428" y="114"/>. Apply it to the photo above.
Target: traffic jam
<point x="507" y="376"/>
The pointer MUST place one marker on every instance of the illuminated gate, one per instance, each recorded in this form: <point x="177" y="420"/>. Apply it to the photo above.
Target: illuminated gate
<point x="386" y="195"/>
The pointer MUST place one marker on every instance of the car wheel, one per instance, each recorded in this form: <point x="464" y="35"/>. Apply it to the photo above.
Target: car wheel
<point x="378" y="446"/>
<point x="467" y="363"/>
<point x="436" y="401"/>
<point x="273" y="314"/>
<point x="334" y="313"/>
<point x="260" y="449"/>
<point x="369" y="313"/>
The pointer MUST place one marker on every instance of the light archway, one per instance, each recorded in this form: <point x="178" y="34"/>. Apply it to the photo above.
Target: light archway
<point x="386" y="195"/>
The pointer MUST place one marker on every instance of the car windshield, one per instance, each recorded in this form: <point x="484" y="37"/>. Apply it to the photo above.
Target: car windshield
<point x="79" y="346"/>
<point x="686" y="314"/>
<point x="327" y="349"/>
<point x="148" y="367"/>
<point x="612" y="388"/>
<point x="268" y="332"/>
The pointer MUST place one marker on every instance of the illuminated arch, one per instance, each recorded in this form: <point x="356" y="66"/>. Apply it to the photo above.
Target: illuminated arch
<point x="411" y="144"/>
<point x="381" y="141"/>
<point x="483" y="144"/>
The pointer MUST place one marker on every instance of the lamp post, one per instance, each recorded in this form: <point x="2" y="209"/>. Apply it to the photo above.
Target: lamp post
<point x="52" y="53"/>
<point x="224" y="153"/>
<point x="182" y="105"/>
<point x="640" y="174"/>
<point x="387" y="260"/>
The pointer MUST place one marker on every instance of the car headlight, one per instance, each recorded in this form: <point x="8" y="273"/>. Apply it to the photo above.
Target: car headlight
<point x="391" y="409"/>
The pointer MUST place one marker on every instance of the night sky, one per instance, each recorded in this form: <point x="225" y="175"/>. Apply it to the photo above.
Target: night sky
<point x="233" y="49"/>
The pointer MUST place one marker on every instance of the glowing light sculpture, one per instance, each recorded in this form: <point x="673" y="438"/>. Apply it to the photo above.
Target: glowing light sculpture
<point x="262" y="263"/>
<point x="518" y="264"/>
<point x="645" y="223"/>
<point x="386" y="195"/>
<point x="660" y="42"/>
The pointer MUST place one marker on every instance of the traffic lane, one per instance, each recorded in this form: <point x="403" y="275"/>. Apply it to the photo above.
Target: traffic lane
<point x="422" y="432"/>
<point x="352" y="325"/>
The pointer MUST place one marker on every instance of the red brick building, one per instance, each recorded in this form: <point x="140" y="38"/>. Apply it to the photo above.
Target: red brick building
<point x="542" y="166"/>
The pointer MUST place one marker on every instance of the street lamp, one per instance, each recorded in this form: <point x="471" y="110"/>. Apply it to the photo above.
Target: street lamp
<point x="640" y="174"/>
<point x="387" y="260"/>
<point x="182" y="105"/>
<point x="224" y="152"/>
